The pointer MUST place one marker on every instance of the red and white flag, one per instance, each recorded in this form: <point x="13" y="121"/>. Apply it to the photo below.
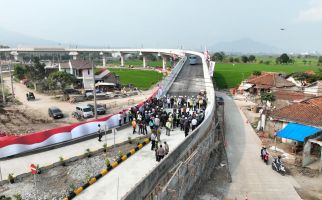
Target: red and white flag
<point x="206" y="54"/>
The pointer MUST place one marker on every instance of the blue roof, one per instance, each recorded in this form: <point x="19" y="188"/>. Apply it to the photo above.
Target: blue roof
<point x="297" y="132"/>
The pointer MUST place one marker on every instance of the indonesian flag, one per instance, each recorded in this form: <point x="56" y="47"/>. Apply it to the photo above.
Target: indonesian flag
<point x="206" y="54"/>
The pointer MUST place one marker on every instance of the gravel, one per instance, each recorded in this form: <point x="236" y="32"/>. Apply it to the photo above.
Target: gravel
<point x="57" y="182"/>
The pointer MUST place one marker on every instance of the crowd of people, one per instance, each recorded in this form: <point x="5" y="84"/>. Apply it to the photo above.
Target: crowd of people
<point x="168" y="112"/>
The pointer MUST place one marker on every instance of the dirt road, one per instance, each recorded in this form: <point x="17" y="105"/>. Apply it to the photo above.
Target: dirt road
<point x="43" y="102"/>
<point x="249" y="174"/>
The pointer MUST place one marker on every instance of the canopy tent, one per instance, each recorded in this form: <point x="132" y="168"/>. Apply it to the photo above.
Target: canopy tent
<point x="297" y="132"/>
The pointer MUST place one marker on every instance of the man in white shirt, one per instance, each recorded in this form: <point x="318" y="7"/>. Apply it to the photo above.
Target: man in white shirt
<point x="194" y="123"/>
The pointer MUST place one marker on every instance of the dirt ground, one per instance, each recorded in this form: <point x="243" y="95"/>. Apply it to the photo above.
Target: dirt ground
<point x="33" y="116"/>
<point x="308" y="182"/>
<point x="57" y="182"/>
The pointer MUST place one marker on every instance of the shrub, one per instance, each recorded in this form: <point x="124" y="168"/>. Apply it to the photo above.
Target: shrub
<point x="11" y="178"/>
<point x="107" y="162"/>
<point x="257" y="73"/>
<point x="62" y="161"/>
<point x="105" y="147"/>
<point x="17" y="196"/>
<point x="88" y="153"/>
<point x="120" y="154"/>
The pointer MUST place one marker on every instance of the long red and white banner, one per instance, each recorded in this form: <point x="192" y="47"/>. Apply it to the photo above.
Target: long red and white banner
<point x="12" y="145"/>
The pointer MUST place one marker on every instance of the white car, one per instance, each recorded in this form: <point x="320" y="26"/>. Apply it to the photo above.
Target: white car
<point x="84" y="111"/>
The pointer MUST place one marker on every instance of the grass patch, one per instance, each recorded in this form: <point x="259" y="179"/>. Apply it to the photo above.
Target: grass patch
<point x="139" y="63"/>
<point x="228" y="75"/>
<point x="142" y="79"/>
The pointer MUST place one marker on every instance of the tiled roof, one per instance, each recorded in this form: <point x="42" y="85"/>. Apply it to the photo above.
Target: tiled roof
<point x="291" y="95"/>
<point x="307" y="112"/>
<point x="77" y="64"/>
<point x="269" y="80"/>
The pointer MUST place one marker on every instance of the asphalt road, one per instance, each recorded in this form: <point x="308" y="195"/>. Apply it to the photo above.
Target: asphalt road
<point x="249" y="174"/>
<point x="189" y="81"/>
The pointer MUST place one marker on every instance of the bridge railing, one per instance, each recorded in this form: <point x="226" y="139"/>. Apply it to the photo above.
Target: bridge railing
<point x="167" y="82"/>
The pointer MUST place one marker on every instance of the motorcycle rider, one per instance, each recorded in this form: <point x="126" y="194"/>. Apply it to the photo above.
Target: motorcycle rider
<point x="278" y="162"/>
<point x="263" y="152"/>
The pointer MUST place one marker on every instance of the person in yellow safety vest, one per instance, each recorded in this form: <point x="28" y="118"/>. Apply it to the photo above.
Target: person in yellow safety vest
<point x="134" y="125"/>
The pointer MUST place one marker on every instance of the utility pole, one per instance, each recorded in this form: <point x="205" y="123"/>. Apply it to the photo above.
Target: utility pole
<point x="11" y="80"/>
<point x="2" y="84"/>
<point x="94" y="90"/>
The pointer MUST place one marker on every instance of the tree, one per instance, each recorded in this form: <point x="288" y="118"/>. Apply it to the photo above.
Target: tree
<point x="19" y="72"/>
<point x="231" y="59"/>
<point x="267" y="62"/>
<point x="244" y="59"/>
<point x="320" y="60"/>
<point x="283" y="59"/>
<point x="236" y="60"/>
<point x="36" y="72"/>
<point x="304" y="62"/>
<point x="61" y="79"/>
<point x="266" y="96"/>
<point x="252" y="58"/>
<point x="218" y="56"/>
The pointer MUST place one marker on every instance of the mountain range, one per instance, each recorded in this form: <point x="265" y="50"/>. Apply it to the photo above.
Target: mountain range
<point x="244" y="46"/>
<point x="14" y="39"/>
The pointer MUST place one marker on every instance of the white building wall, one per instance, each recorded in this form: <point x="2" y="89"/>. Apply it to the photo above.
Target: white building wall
<point x="87" y="78"/>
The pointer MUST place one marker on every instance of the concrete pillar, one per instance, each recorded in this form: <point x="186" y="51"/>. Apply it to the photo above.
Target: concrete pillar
<point x="15" y="55"/>
<point x="306" y="154"/>
<point x="104" y="61"/>
<point x="164" y="63"/>
<point x="144" y="61"/>
<point x="74" y="54"/>
<point x="122" y="60"/>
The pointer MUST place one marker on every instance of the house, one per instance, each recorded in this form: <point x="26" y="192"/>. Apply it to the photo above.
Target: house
<point x="301" y="123"/>
<point x="298" y="83"/>
<point x="308" y="112"/>
<point x="314" y="89"/>
<point x="82" y="70"/>
<point x="267" y="82"/>
<point x="285" y="97"/>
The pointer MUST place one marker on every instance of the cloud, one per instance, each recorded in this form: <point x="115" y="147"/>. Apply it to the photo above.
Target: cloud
<point x="312" y="14"/>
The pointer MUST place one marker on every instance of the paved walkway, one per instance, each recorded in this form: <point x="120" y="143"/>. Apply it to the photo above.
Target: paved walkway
<point x="21" y="164"/>
<point x="123" y="178"/>
<point x="249" y="174"/>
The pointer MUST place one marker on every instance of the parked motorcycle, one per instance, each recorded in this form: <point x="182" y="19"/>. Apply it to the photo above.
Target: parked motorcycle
<point x="278" y="166"/>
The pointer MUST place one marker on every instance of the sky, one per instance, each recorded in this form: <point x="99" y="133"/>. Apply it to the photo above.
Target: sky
<point x="189" y="24"/>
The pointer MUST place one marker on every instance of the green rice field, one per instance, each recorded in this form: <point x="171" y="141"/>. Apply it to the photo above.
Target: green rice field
<point x="228" y="75"/>
<point x="142" y="79"/>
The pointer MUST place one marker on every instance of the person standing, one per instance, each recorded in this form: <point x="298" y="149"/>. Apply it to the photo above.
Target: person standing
<point x="157" y="121"/>
<point x="168" y="128"/>
<point x="153" y="137"/>
<point x="194" y="123"/>
<point x="124" y="116"/>
<point x="120" y="118"/>
<point x="99" y="132"/>
<point x="166" y="148"/>
<point x="186" y="127"/>
<point x="145" y="130"/>
<point x="160" y="152"/>
<point x="134" y="125"/>
<point x="140" y="127"/>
